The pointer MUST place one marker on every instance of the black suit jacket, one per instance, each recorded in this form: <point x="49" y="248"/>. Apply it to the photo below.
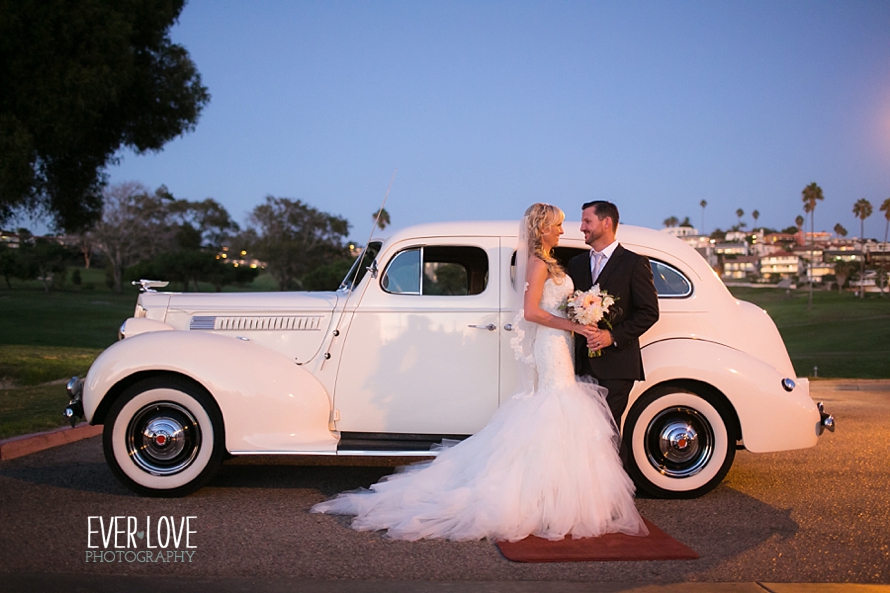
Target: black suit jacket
<point x="628" y="277"/>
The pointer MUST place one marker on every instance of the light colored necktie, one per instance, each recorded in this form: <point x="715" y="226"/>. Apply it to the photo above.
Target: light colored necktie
<point x="597" y="260"/>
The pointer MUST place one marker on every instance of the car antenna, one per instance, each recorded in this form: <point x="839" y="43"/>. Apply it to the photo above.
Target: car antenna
<point x="336" y="332"/>
<point x="373" y="228"/>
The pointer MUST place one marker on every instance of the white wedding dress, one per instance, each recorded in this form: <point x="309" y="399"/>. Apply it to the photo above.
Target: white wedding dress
<point x="546" y="464"/>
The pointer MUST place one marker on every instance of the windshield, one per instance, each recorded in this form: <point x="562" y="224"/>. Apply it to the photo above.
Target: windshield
<point x="360" y="267"/>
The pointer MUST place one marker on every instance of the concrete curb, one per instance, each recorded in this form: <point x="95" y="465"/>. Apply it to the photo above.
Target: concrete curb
<point x="32" y="443"/>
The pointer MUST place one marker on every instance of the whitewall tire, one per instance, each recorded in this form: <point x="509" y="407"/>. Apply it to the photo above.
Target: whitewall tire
<point x="680" y="444"/>
<point x="164" y="437"/>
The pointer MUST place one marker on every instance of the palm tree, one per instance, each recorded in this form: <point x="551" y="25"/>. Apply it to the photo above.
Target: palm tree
<point x="381" y="218"/>
<point x="811" y="194"/>
<point x="671" y="221"/>
<point x="798" y="222"/>
<point x="755" y="215"/>
<point x="842" y="271"/>
<point x="740" y="213"/>
<point x="703" y="205"/>
<point x="840" y="231"/>
<point x="862" y="209"/>
<point x="885" y="208"/>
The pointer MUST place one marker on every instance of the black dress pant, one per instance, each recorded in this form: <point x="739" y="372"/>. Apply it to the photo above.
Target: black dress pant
<point x="619" y="392"/>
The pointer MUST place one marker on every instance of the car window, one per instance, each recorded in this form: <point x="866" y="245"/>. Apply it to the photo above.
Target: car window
<point x="360" y="266"/>
<point x="448" y="270"/>
<point x="403" y="273"/>
<point x="669" y="281"/>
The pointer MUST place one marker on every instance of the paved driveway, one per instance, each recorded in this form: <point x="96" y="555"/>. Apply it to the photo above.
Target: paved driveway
<point x="817" y="515"/>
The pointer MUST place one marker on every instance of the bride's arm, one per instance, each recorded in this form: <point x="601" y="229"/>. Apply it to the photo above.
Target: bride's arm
<point x="536" y="276"/>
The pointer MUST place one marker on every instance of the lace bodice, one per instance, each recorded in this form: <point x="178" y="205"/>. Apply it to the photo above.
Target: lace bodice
<point x="553" y="347"/>
<point x="554" y="295"/>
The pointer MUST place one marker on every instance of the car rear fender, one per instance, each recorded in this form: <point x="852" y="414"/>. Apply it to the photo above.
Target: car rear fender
<point x="770" y="417"/>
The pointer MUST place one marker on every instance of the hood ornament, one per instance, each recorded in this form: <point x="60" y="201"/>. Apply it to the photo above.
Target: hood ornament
<point x="149" y="285"/>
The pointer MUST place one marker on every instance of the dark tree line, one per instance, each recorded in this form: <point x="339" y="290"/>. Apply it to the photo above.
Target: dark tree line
<point x="81" y="80"/>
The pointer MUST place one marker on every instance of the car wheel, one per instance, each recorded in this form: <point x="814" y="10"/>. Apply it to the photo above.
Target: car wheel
<point x="164" y="437"/>
<point x="680" y="443"/>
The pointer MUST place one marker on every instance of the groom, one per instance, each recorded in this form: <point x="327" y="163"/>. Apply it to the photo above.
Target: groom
<point x="628" y="277"/>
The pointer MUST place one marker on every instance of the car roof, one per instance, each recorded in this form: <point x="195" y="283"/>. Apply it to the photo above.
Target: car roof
<point x="509" y="228"/>
<point x="648" y="240"/>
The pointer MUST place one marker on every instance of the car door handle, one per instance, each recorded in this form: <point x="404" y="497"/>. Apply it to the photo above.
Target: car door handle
<point x="490" y="327"/>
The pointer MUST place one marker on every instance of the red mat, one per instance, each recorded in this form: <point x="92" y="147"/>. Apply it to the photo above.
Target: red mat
<point x="610" y="547"/>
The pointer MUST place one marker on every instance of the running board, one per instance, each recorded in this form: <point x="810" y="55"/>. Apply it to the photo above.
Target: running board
<point x="392" y="444"/>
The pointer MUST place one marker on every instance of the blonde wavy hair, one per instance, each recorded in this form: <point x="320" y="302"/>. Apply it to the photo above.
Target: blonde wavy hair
<point x="538" y="218"/>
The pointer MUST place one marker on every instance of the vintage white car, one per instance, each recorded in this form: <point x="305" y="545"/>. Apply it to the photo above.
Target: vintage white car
<point x="415" y="348"/>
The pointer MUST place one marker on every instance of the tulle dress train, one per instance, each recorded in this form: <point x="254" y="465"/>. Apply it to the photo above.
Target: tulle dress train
<point x="546" y="464"/>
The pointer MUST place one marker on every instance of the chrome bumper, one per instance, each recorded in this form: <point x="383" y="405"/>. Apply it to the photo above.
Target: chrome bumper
<point x="826" y="421"/>
<point x="74" y="410"/>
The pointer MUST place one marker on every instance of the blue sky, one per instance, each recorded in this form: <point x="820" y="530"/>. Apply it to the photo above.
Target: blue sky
<point x="485" y="107"/>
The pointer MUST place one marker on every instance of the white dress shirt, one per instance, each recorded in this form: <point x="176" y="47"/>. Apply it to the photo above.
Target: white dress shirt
<point x="606" y="253"/>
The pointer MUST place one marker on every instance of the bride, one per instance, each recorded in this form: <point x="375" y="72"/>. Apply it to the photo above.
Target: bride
<point x="547" y="462"/>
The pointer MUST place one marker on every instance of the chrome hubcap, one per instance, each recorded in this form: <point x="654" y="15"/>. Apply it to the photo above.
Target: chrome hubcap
<point x="679" y="442"/>
<point x="163" y="438"/>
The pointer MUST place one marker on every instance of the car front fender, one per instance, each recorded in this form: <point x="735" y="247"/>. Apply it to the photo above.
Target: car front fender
<point x="771" y="418"/>
<point x="268" y="403"/>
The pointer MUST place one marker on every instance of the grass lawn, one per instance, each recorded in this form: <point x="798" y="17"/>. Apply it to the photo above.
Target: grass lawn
<point x="25" y="410"/>
<point x="844" y="336"/>
<point x="49" y="337"/>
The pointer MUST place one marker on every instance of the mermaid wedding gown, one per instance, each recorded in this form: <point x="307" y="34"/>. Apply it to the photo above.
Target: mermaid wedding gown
<point x="546" y="464"/>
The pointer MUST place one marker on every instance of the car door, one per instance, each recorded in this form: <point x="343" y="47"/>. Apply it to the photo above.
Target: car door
<point x="421" y="355"/>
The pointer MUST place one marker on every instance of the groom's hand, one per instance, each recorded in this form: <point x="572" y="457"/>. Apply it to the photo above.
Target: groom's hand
<point x="599" y="339"/>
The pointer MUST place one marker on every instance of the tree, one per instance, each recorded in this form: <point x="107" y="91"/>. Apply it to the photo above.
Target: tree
<point x="9" y="263"/>
<point x="862" y="209"/>
<point x="703" y="204"/>
<point x="840" y="231"/>
<point x="811" y="194"/>
<point x="86" y="244"/>
<point x="686" y="222"/>
<point x="46" y="260"/>
<point x="842" y="271"/>
<point x="755" y="215"/>
<point x="671" y="221"/>
<point x="885" y="208"/>
<point x="208" y="219"/>
<point x="739" y="214"/>
<point x="327" y="277"/>
<point x="293" y="239"/>
<point x="381" y="218"/>
<point x="81" y="80"/>
<point x="134" y="226"/>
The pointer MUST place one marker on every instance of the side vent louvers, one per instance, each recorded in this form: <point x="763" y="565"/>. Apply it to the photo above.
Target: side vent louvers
<point x="202" y="322"/>
<point x="272" y="322"/>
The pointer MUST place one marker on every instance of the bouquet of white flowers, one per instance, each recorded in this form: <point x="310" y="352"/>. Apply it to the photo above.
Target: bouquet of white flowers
<point x="590" y="307"/>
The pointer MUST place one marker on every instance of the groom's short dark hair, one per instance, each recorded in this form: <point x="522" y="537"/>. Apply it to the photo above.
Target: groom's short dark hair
<point x="602" y="209"/>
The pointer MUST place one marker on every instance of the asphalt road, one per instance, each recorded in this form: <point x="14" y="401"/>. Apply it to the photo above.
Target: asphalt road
<point x="816" y="515"/>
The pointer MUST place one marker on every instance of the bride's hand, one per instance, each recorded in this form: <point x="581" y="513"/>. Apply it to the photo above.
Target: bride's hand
<point x="585" y="330"/>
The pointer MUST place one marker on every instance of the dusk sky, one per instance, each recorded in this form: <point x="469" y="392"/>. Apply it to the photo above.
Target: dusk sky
<point x="485" y="107"/>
